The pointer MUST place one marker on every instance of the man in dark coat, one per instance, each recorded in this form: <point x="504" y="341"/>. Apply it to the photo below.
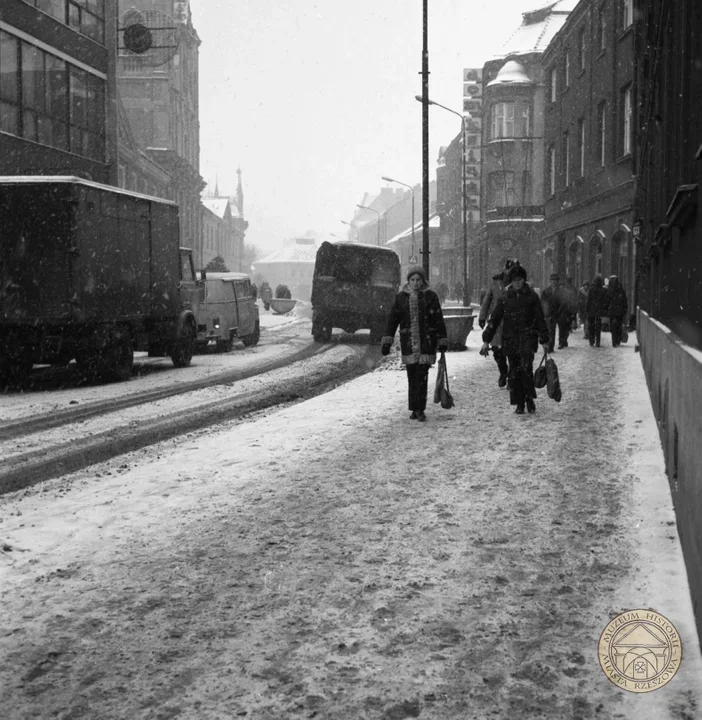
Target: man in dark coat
<point x="617" y="307"/>
<point x="597" y="303"/>
<point x="417" y="312"/>
<point x="551" y="302"/>
<point x="524" y="327"/>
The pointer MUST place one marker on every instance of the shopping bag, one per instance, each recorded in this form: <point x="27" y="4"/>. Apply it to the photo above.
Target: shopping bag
<point x="553" y="385"/>
<point x="440" y="380"/>
<point x="442" y="394"/>
<point x="540" y="374"/>
<point x="625" y="334"/>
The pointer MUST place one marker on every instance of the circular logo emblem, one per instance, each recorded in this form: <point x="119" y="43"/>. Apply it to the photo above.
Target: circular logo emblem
<point x="640" y="650"/>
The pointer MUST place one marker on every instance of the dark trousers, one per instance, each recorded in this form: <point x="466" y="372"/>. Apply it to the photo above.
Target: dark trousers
<point x="417" y="377"/>
<point x="521" y="378"/>
<point x="552" y="325"/>
<point x="595" y="329"/>
<point x="500" y="359"/>
<point x="563" y="331"/>
<point x="615" y="327"/>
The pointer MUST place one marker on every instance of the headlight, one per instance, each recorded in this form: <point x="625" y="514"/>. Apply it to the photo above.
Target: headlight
<point x="215" y="323"/>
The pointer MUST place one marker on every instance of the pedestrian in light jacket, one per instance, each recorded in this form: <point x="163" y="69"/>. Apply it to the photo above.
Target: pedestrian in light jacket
<point x="597" y="306"/>
<point x="616" y="309"/>
<point x="417" y="313"/>
<point x="524" y="327"/>
<point x="551" y="302"/>
<point x="582" y="306"/>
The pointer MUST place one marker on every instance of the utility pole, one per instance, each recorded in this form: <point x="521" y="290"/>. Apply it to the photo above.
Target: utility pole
<point x="425" y="141"/>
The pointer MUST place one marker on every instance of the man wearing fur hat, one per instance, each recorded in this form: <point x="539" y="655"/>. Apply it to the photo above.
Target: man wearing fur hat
<point x="524" y="326"/>
<point x="488" y="305"/>
<point x="417" y="312"/>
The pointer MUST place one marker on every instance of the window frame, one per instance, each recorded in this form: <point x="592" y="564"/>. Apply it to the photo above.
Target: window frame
<point x="602" y="28"/>
<point x="627" y="116"/>
<point x="602" y="134"/>
<point x="552" y="169"/>
<point x="582" y="149"/>
<point x="566" y="158"/>
<point x="513" y="124"/>
<point x="566" y="69"/>
<point x="553" y="81"/>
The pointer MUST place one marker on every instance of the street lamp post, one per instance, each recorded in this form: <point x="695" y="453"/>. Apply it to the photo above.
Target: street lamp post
<point x="387" y="179"/>
<point x="365" y="207"/>
<point x="425" y="136"/>
<point x="464" y="204"/>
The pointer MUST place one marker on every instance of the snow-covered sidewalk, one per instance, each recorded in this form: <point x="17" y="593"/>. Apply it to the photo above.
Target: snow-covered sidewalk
<point x="336" y="559"/>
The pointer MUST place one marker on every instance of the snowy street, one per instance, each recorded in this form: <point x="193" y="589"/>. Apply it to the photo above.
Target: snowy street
<point x="333" y="559"/>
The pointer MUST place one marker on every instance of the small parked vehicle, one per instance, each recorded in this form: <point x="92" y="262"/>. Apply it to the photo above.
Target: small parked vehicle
<point x="228" y="311"/>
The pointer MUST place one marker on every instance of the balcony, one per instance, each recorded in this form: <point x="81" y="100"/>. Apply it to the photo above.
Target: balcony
<point x="516" y="212"/>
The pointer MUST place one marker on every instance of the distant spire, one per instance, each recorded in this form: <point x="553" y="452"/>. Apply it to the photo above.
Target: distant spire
<point x="240" y="194"/>
<point x="216" y="193"/>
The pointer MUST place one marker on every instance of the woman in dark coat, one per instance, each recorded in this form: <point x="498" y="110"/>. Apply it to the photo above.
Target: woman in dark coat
<point x="417" y="312"/>
<point x="616" y="309"/>
<point x="597" y="302"/>
<point x="523" y="328"/>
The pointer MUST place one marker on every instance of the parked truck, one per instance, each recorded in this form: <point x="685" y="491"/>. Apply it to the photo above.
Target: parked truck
<point x="91" y="273"/>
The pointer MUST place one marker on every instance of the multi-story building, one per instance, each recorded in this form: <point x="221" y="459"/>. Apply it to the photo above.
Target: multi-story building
<point x="669" y="243"/>
<point x="158" y="89"/>
<point x="57" y="88"/>
<point x="589" y="144"/>
<point x="512" y="188"/>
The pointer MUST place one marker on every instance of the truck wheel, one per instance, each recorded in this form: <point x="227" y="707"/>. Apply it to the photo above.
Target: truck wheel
<point x="119" y="360"/>
<point x="182" y="351"/>
<point x="326" y="333"/>
<point x="252" y="339"/>
<point x="15" y="366"/>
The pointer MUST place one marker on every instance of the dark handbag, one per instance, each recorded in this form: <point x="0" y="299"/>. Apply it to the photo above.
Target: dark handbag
<point x="553" y="384"/>
<point x="442" y="394"/>
<point x="540" y="379"/>
<point x="625" y="334"/>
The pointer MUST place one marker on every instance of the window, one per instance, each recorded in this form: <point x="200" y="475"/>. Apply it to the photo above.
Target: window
<point x="9" y="83"/>
<point x="566" y="69"/>
<point x="581" y="147"/>
<point x="601" y="133"/>
<point x="566" y="157"/>
<point x="552" y="169"/>
<point x="626" y="14"/>
<point x="509" y="120"/>
<point x="582" y="52"/>
<point x="502" y="190"/>
<point x="602" y="28"/>
<point x="85" y="16"/>
<point x="626" y="120"/>
<point x="49" y="101"/>
<point x="553" y="83"/>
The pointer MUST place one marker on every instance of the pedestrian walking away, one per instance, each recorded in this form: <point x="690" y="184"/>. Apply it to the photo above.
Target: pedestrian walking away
<point x="582" y="306"/>
<point x="494" y="293"/>
<point x="524" y="327"/>
<point x="417" y="312"/>
<point x="616" y="309"/>
<point x="569" y="313"/>
<point x="551" y="303"/>
<point x="596" y="307"/>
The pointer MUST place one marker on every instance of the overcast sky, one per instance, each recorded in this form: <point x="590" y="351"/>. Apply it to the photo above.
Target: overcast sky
<point x="314" y="99"/>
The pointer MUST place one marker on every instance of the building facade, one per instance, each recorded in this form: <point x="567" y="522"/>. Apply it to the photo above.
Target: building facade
<point x="589" y="144"/>
<point x="512" y="168"/>
<point x="669" y="251"/>
<point x="58" y="113"/>
<point x="158" y="90"/>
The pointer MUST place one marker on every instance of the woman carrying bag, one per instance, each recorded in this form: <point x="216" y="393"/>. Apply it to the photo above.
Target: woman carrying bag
<point x="417" y="312"/>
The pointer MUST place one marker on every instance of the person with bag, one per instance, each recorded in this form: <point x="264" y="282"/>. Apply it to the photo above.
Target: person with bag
<point x="524" y="328"/>
<point x="417" y="312"/>
<point x="495" y="292"/>
<point x="616" y="307"/>
<point x="597" y="302"/>
<point x="552" y="305"/>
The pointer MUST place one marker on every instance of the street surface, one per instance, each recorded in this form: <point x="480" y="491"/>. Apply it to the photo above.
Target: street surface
<point x="333" y="559"/>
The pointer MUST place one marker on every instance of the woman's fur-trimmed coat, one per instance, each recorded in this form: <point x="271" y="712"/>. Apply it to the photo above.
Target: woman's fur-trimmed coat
<point x="421" y="323"/>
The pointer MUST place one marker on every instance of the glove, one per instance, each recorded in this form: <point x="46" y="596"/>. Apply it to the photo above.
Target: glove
<point x="481" y="323"/>
<point x="385" y="350"/>
<point x="485" y="349"/>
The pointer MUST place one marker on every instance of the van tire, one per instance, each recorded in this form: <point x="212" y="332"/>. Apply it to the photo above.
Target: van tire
<point x="182" y="350"/>
<point x="252" y="339"/>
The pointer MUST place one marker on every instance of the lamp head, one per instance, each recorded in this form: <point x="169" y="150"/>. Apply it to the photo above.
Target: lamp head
<point x="387" y="179"/>
<point x="420" y="99"/>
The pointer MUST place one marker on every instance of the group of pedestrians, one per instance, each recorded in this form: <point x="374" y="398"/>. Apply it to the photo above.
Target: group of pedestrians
<point x="514" y="320"/>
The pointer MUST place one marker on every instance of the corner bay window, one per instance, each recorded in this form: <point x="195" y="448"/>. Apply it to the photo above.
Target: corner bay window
<point x="510" y="120"/>
<point x="84" y="16"/>
<point x="50" y="101"/>
<point x="507" y="188"/>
